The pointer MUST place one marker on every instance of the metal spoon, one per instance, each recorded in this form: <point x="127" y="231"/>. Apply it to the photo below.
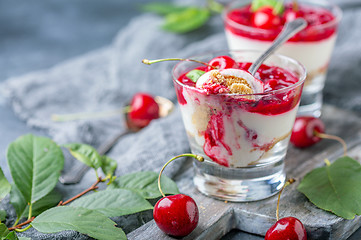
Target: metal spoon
<point x="289" y="30"/>
<point x="76" y="174"/>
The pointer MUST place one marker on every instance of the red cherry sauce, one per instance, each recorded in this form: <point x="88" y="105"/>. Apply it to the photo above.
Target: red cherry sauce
<point x="274" y="78"/>
<point x="316" y="17"/>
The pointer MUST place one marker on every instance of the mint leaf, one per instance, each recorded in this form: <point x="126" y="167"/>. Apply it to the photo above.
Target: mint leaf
<point x="85" y="153"/>
<point x="162" y="8"/>
<point x="5" y="186"/>
<point x="2" y="215"/>
<point x="277" y="5"/>
<point x="335" y="187"/>
<point x="108" y="165"/>
<point x="187" y="20"/>
<point x="86" y="221"/>
<point x="146" y="184"/>
<point x="195" y="74"/>
<point x="35" y="164"/>
<point x="115" y="202"/>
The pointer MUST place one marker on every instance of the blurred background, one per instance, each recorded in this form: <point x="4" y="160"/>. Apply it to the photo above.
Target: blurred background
<point x="38" y="34"/>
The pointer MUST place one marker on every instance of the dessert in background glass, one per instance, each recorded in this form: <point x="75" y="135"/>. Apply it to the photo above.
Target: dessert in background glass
<point x="239" y="123"/>
<point x="312" y="46"/>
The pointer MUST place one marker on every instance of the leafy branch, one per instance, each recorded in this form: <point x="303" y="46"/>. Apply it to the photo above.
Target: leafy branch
<point x="183" y="19"/>
<point x="35" y="164"/>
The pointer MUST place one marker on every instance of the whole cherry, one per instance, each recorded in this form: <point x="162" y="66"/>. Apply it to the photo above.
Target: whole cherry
<point x="290" y="15"/>
<point x="288" y="228"/>
<point x="265" y="18"/>
<point x="308" y="130"/>
<point x="305" y="130"/>
<point x="176" y="215"/>
<point x="143" y="109"/>
<point x="222" y="62"/>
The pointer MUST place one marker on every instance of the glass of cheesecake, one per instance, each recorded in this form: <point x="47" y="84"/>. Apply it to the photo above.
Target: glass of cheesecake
<point x="248" y="26"/>
<point x="240" y="123"/>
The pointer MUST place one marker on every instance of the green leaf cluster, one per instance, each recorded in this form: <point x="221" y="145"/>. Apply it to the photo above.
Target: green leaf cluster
<point x="35" y="164"/>
<point x="277" y="5"/>
<point x="335" y="187"/>
<point x="183" y="19"/>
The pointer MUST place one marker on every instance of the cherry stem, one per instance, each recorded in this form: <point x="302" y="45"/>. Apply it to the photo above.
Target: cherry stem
<point x="295" y="5"/>
<point x="197" y="157"/>
<point x="61" y="203"/>
<point x="333" y="137"/>
<point x="91" y="188"/>
<point x="289" y="181"/>
<point x="149" y="62"/>
<point x="87" y="115"/>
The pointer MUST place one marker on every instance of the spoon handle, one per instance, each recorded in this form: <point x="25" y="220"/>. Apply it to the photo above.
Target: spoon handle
<point x="290" y="29"/>
<point x="74" y="175"/>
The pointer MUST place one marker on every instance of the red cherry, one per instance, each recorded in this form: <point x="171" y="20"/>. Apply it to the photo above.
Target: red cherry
<point x="143" y="109"/>
<point x="176" y="215"/>
<point x="290" y="15"/>
<point x="222" y="62"/>
<point x="265" y="19"/>
<point x="288" y="228"/>
<point x="303" y="132"/>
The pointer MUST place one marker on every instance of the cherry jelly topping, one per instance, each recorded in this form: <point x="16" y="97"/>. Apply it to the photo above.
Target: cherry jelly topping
<point x="316" y="18"/>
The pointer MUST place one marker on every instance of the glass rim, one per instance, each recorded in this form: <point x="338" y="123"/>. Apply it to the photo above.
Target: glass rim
<point x="300" y="81"/>
<point x="336" y="11"/>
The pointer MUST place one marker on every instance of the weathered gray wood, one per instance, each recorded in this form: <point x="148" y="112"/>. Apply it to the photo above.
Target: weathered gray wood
<point x="218" y="217"/>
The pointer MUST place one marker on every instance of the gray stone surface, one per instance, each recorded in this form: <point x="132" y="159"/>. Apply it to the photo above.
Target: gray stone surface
<point x="40" y="35"/>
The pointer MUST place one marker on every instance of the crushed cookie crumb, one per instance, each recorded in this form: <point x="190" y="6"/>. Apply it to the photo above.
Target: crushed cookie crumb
<point x="234" y="84"/>
<point x="240" y="88"/>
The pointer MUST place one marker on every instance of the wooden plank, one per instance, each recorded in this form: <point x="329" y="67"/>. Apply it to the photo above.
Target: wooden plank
<point x="219" y="217"/>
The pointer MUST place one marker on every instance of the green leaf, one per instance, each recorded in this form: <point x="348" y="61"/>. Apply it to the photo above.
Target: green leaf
<point x="187" y="20"/>
<point x="215" y="6"/>
<point x="35" y="164"/>
<point x="335" y="187"/>
<point x="162" y="8"/>
<point x="22" y="209"/>
<point x="146" y="184"/>
<point x="277" y="5"/>
<point x="5" y="186"/>
<point x="85" y="153"/>
<point x="18" y="201"/>
<point x="3" y="231"/>
<point x="115" y="202"/>
<point x="86" y="221"/>
<point x="12" y="236"/>
<point x="49" y="201"/>
<point x="195" y="74"/>
<point x="2" y="215"/>
<point x="108" y="165"/>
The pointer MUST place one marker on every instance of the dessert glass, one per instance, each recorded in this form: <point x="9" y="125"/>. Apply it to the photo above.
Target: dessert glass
<point x="243" y="138"/>
<point x="312" y="47"/>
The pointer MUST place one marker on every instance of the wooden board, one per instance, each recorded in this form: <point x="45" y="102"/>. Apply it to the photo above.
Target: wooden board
<point x="217" y="217"/>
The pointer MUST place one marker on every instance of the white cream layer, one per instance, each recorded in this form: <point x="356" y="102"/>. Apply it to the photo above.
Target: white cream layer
<point x="268" y="128"/>
<point x="313" y="55"/>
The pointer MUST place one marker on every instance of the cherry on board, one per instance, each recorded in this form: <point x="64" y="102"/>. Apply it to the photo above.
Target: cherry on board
<point x="265" y="18"/>
<point x="288" y="228"/>
<point x="176" y="215"/>
<point x="143" y="109"/>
